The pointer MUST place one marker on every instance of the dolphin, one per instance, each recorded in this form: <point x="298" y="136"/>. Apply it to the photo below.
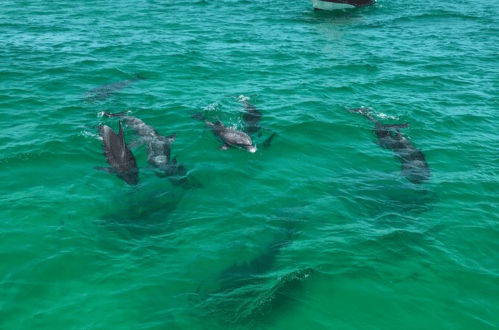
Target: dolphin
<point x="103" y="92"/>
<point x="251" y="118"/>
<point x="158" y="151"/>
<point x="118" y="156"/>
<point x="230" y="137"/>
<point x="414" y="165"/>
<point x="254" y="281"/>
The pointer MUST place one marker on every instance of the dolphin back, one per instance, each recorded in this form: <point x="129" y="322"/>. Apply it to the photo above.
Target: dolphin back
<point x="118" y="156"/>
<point x="251" y="118"/>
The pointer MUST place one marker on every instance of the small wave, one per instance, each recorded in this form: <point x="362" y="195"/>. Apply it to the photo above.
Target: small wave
<point x="385" y="116"/>
<point x="90" y="135"/>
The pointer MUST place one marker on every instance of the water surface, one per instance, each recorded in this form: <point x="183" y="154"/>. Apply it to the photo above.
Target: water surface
<point x="318" y="231"/>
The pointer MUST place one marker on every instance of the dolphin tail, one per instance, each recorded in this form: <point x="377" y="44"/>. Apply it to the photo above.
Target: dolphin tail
<point x="199" y="116"/>
<point x="266" y="143"/>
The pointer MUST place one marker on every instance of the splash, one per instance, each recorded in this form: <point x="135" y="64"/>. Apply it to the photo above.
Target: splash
<point x="242" y="98"/>
<point x="212" y="107"/>
<point x="385" y="116"/>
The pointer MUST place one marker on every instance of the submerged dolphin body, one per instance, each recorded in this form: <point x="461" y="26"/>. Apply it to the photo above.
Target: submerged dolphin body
<point x="254" y="281"/>
<point x="414" y="165"/>
<point x="103" y="92"/>
<point x="158" y="151"/>
<point x="251" y="118"/>
<point x="230" y="137"/>
<point x="118" y="156"/>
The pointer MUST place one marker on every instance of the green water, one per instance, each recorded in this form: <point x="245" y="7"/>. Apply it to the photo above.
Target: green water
<point x="319" y="231"/>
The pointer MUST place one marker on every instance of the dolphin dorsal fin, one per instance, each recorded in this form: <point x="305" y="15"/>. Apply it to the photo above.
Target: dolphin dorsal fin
<point x="174" y="161"/>
<point x="219" y="122"/>
<point x="172" y="138"/>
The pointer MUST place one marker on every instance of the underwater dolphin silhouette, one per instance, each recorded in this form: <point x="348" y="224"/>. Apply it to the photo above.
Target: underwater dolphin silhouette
<point x="103" y="92"/>
<point x="227" y="296"/>
<point x="251" y="119"/>
<point x="118" y="156"/>
<point x="414" y="165"/>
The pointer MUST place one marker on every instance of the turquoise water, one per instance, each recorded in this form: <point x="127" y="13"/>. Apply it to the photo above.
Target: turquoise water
<point x="319" y="231"/>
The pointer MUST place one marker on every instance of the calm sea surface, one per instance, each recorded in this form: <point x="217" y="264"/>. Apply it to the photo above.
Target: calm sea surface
<point x="318" y="231"/>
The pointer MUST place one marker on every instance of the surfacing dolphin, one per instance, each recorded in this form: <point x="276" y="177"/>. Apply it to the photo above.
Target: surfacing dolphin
<point x="251" y="118"/>
<point x="103" y="92"/>
<point x="159" y="151"/>
<point x="230" y="137"/>
<point x="414" y="165"/>
<point x="118" y="156"/>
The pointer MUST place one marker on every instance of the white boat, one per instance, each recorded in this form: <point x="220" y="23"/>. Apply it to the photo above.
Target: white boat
<point x="340" y="4"/>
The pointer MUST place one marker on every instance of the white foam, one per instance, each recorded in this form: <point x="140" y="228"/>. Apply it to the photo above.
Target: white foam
<point x="100" y="114"/>
<point x="211" y="107"/>
<point x="160" y="159"/>
<point x="385" y="116"/>
<point x="242" y="98"/>
<point x="90" y="135"/>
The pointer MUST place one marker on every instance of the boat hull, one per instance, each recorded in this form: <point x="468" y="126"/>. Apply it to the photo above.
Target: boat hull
<point x="340" y="4"/>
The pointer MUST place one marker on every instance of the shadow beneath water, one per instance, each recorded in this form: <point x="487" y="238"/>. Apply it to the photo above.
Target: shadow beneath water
<point x="141" y="212"/>
<point x="254" y="293"/>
